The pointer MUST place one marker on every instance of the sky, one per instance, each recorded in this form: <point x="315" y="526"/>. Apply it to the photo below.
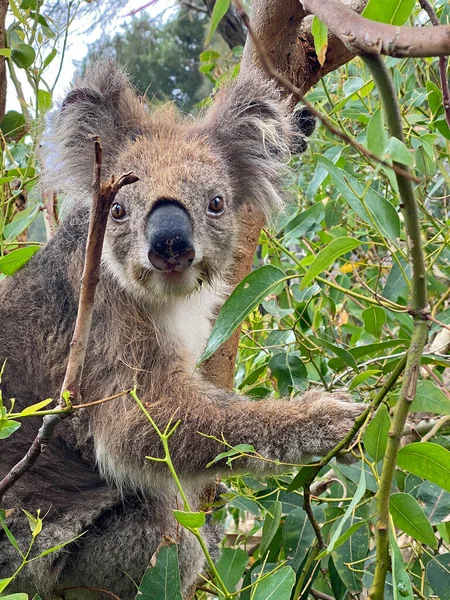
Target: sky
<point x="77" y="45"/>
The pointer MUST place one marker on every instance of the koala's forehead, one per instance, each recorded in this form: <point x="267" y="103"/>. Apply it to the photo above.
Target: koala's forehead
<point x="168" y="158"/>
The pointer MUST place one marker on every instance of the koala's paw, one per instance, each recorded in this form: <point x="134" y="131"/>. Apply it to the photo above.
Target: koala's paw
<point x="330" y="418"/>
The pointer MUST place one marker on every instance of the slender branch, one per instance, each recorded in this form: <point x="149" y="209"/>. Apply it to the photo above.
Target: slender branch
<point x="436" y="427"/>
<point x="364" y="36"/>
<point x="102" y="198"/>
<point x="443" y="61"/>
<point x="419" y="311"/>
<point x="320" y="595"/>
<point x="312" y="519"/>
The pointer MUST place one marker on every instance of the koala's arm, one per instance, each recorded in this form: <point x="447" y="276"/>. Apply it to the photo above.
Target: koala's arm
<point x="285" y="430"/>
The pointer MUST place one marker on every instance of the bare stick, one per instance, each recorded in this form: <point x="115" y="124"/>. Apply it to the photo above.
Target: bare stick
<point x="363" y="36"/>
<point x="443" y="61"/>
<point x="103" y="196"/>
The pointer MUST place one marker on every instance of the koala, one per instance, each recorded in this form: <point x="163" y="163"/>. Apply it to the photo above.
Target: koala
<point x="168" y="249"/>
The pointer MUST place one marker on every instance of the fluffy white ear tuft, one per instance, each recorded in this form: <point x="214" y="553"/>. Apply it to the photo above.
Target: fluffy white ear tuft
<point x="251" y="126"/>
<point x="102" y="103"/>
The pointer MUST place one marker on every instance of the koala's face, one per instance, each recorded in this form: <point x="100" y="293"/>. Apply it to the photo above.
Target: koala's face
<point x="174" y="230"/>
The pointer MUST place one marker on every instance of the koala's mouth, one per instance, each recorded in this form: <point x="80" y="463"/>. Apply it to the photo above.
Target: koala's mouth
<point x="174" y="283"/>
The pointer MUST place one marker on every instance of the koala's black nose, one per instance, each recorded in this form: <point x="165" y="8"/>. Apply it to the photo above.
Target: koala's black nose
<point x="169" y="231"/>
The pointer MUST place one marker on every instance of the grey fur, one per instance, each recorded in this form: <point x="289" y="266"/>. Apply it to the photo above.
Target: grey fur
<point x="147" y="330"/>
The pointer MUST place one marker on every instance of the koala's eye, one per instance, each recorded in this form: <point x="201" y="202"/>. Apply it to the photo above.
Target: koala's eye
<point x="216" y="207"/>
<point x="118" y="212"/>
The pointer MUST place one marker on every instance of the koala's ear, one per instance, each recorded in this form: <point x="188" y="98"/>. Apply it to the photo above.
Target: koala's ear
<point x="103" y="103"/>
<point x="250" y="126"/>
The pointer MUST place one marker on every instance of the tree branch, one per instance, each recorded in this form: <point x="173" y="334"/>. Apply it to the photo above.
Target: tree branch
<point x="419" y="310"/>
<point x="362" y="35"/>
<point x="102" y="198"/>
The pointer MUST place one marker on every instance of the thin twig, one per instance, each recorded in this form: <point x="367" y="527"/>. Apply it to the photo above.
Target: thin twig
<point x="297" y="94"/>
<point x="312" y="519"/>
<point x="90" y="589"/>
<point x="443" y="61"/>
<point x="320" y="595"/>
<point x="436" y="427"/>
<point x="102" y="198"/>
<point x="364" y="36"/>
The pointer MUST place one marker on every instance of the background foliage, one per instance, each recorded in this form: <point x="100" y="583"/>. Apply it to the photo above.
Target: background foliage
<point x="327" y="305"/>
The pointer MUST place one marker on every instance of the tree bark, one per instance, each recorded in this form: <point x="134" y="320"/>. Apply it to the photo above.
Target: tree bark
<point x="230" y="26"/>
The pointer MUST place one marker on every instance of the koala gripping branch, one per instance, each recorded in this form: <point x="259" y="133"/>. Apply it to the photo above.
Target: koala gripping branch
<point x="102" y="198"/>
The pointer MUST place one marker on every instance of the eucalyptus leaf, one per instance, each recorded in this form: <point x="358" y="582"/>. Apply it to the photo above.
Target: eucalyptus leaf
<point x="245" y="298"/>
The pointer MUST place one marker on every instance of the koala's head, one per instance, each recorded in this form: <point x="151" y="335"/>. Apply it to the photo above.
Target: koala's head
<point x="176" y="228"/>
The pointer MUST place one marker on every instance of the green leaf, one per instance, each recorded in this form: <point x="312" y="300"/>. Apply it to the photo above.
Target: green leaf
<point x="7" y="428"/>
<point x="327" y="256"/>
<point x="35" y="407"/>
<point x="270" y="527"/>
<point x="44" y="101"/>
<point x="438" y="575"/>
<point x="23" y="56"/>
<point x="374" y="318"/>
<point x="362" y="377"/>
<point x="395" y="12"/>
<point x="355" y="548"/>
<point x="49" y="58"/>
<point x="360" y="491"/>
<point x="300" y="479"/>
<point x="209" y="55"/>
<point x="376" y="435"/>
<point x="231" y="566"/>
<point x="429" y="398"/>
<point x="320" y="34"/>
<point x="14" y="596"/>
<point x="4" y="583"/>
<point x="398" y="152"/>
<point x="277" y="586"/>
<point x="382" y="212"/>
<point x="343" y="538"/>
<point x="289" y="371"/>
<point x="428" y="461"/>
<point x="20" y="223"/>
<point x="435" y="502"/>
<point x="235" y="451"/>
<point x="161" y="581"/>
<point x="400" y="580"/>
<point x="245" y="298"/>
<point x="410" y="518"/>
<point x="35" y="523"/>
<point x="5" y="52"/>
<point x="344" y="354"/>
<point x="15" y="260"/>
<point x="376" y="134"/>
<point x="12" y="124"/>
<point x="8" y="533"/>
<point x="219" y="11"/>
<point x="192" y="520"/>
<point x="305" y="222"/>
<point x="298" y="535"/>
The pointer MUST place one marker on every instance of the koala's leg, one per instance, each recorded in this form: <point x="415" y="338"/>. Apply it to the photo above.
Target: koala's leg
<point x="283" y="430"/>
<point x="126" y="539"/>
